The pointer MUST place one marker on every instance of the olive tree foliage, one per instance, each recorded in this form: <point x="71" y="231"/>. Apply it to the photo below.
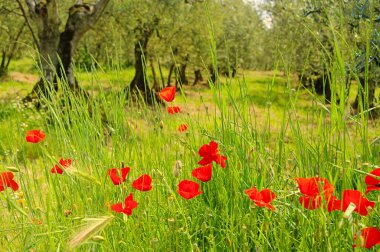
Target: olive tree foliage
<point x="12" y="35"/>
<point x="241" y="39"/>
<point x="56" y="41"/>
<point x="328" y="42"/>
<point x="178" y="36"/>
<point x="365" y="26"/>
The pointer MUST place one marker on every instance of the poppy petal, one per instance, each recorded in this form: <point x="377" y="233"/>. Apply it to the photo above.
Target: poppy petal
<point x="34" y="136"/>
<point x="167" y="94"/>
<point x="267" y="195"/>
<point x="56" y="169"/>
<point x="117" y="207"/>
<point x="362" y="204"/>
<point x="310" y="202"/>
<point x="182" y="128"/>
<point x="371" y="237"/>
<point x="7" y="180"/>
<point x="203" y="173"/>
<point x="220" y="160"/>
<point x="173" y="110"/>
<point x="372" y="182"/>
<point x="308" y="186"/>
<point x="205" y="161"/>
<point x="188" y="189"/>
<point x="143" y="183"/>
<point x="334" y="204"/>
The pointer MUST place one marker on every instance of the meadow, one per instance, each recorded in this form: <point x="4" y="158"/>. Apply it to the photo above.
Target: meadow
<point x="271" y="130"/>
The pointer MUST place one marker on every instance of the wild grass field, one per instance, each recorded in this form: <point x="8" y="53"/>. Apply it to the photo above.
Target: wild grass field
<point x="271" y="131"/>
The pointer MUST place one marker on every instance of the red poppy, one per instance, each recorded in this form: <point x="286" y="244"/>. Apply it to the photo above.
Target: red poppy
<point x="188" y="189"/>
<point x="34" y="136"/>
<point x="167" y="94"/>
<point x="362" y="204"/>
<point x="334" y="204"/>
<point x="143" y="183"/>
<point x="203" y="173"/>
<point x="6" y="180"/>
<point x="174" y="110"/>
<point x="114" y="175"/>
<point x="262" y="198"/>
<point x="312" y="195"/>
<point x="370" y="237"/>
<point x="210" y="152"/>
<point x="310" y="202"/>
<point x="65" y="163"/>
<point x="129" y="205"/>
<point x="372" y="182"/>
<point x="182" y="128"/>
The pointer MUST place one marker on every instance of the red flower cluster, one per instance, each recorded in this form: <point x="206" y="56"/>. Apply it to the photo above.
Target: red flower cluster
<point x="182" y="128"/>
<point x="118" y="176"/>
<point x="168" y="94"/>
<point x="143" y="183"/>
<point x="262" y="198"/>
<point x="65" y="163"/>
<point x="7" y="180"/>
<point x="34" y="136"/>
<point x="129" y="205"/>
<point x="316" y="189"/>
<point x="173" y="110"/>
<point x="209" y="153"/>
<point x="312" y="195"/>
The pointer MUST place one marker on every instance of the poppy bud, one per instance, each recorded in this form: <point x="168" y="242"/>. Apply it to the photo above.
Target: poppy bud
<point x="177" y="168"/>
<point x="13" y="169"/>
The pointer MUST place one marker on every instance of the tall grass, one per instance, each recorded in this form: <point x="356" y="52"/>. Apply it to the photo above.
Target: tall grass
<point x="270" y="130"/>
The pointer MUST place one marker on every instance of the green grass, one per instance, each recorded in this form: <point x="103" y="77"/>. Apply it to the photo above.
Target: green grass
<point x="270" y="130"/>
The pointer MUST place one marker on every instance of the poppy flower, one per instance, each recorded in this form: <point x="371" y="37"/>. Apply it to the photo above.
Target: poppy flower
<point x="167" y="94"/>
<point x="129" y="205"/>
<point x="262" y="198"/>
<point x="143" y="183"/>
<point x="188" y="189"/>
<point x="173" y="110"/>
<point x="182" y="128"/>
<point x="370" y="237"/>
<point x="65" y="163"/>
<point x="34" y="136"/>
<point x="334" y="204"/>
<point x="372" y="182"/>
<point x="362" y="204"/>
<point x="210" y="152"/>
<point x="6" y="180"/>
<point x="203" y="173"/>
<point x="312" y="194"/>
<point x="114" y="174"/>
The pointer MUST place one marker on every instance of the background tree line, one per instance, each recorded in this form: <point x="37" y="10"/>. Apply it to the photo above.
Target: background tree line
<point x="197" y="40"/>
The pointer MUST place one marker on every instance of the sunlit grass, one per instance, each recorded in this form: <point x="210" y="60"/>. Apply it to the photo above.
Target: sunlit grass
<point x="270" y="130"/>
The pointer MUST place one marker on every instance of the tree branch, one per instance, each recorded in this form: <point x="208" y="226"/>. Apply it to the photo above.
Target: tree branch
<point x="30" y="5"/>
<point x="13" y="49"/>
<point x="98" y="9"/>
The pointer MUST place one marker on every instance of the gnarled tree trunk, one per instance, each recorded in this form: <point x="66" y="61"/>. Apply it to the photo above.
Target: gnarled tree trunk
<point x="144" y="31"/>
<point x="198" y="76"/>
<point x="56" y="49"/>
<point x="171" y="69"/>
